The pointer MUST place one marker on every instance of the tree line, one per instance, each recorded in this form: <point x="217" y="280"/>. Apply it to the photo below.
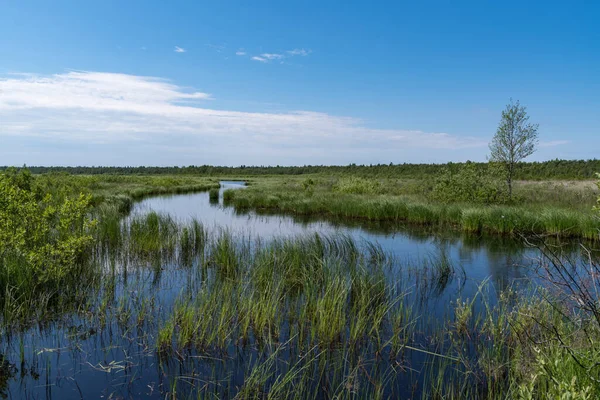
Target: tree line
<point x="552" y="169"/>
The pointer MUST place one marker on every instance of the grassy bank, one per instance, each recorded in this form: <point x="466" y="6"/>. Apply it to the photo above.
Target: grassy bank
<point x="121" y="191"/>
<point x="559" y="215"/>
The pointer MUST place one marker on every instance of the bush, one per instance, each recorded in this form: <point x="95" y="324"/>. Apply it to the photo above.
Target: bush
<point x="357" y="186"/>
<point x="469" y="184"/>
<point x="40" y="239"/>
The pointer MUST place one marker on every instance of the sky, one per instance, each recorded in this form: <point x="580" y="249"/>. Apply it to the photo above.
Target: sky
<point x="292" y="82"/>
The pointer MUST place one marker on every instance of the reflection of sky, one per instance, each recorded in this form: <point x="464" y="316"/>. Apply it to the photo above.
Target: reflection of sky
<point x="481" y="259"/>
<point x="198" y="206"/>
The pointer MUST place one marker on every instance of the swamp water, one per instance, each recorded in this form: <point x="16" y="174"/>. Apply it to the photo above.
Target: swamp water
<point x="130" y="339"/>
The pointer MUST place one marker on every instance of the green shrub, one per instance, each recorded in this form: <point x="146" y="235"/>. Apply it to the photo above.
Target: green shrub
<point x="356" y="185"/>
<point x="40" y="239"/>
<point x="469" y="184"/>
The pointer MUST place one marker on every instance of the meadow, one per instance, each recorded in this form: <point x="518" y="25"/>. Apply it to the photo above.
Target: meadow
<point x="96" y="300"/>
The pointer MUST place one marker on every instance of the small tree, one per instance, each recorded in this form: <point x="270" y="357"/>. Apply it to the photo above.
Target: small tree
<point x="515" y="140"/>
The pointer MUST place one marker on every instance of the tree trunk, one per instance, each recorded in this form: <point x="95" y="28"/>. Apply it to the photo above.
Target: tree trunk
<point x="509" y="179"/>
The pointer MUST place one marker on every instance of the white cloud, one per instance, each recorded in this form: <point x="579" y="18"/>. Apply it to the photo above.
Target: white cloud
<point x="179" y="49"/>
<point x="110" y="108"/>
<point x="299" y="52"/>
<point x="272" y="56"/>
<point x="268" y="57"/>
<point x="240" y="53"/>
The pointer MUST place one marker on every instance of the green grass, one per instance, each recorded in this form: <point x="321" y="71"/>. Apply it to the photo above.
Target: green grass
<point x="213" y="195"/>
<point x="328" y="201"/>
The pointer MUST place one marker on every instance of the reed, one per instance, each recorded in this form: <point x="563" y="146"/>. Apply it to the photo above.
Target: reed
<point x="213" y="195"/>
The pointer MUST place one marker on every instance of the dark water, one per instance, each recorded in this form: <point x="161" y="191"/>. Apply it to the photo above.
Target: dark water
<point x="116" y="358"/>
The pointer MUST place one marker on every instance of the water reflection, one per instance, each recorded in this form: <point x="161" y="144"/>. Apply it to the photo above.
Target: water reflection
<point x="502" y="260"/>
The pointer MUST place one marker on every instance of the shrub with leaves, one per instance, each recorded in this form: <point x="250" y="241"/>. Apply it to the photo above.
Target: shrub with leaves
<point x="42" y="238"/>
<point x="356" y="185"/>
<point x="469" y="184"/>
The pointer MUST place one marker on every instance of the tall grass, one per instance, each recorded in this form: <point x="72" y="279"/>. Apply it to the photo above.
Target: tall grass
<point x="213" y="195"/>
<point x="501" y="220"/>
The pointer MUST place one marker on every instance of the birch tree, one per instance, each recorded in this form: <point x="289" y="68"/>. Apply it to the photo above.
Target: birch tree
<point x="515" y="140"/>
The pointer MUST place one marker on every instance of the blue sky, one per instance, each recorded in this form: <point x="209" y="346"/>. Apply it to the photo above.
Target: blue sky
<point x="230" y="83"/>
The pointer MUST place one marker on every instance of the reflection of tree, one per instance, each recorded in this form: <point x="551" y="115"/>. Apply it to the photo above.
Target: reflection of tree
<point x="7" y="372"/>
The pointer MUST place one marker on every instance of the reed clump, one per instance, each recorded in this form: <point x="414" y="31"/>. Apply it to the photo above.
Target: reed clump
<point x="213" y="195"/>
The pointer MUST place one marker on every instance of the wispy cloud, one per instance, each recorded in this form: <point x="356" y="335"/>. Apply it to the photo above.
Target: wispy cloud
<point x="268" y="57"/>
<point x="109" y="108"/>
<point x="272" y="56"/>
<point x="240" y="52"/>
<point x="179" y="49"/>
<point x="298" y="52"/>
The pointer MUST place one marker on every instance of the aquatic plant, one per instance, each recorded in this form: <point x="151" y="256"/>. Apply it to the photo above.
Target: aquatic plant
<point x="213" y="195"/>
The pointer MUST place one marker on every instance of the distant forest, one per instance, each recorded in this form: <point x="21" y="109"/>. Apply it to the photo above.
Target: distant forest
<point x="554" y="169"/>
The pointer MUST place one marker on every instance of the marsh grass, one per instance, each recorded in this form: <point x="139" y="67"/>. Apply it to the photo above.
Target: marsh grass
<point x="311" y="316"/>
<point x="213" y="195"/>
<point x="228" y="195"/>
<point x="507" y="220"/>
<point x="320" y="316"/>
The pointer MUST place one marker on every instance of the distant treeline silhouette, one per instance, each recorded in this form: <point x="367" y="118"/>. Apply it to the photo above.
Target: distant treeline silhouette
<point x="553" y="169"/>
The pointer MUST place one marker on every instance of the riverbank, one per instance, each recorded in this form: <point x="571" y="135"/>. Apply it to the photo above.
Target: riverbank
<point x="552" y="214"/>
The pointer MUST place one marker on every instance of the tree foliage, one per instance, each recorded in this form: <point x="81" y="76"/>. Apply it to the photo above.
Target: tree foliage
<point x="551" y="169"/>
<point x="515" y="140"/>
